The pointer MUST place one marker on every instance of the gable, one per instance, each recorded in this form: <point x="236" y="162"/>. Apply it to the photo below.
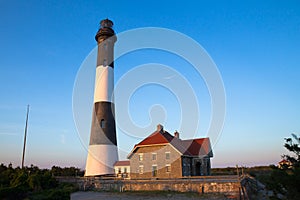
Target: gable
<point x="198" y="147"/>
<point x="154" y="138"/>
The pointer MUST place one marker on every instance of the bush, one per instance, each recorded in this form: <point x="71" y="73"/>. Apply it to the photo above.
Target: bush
<point x="33" y="183"/>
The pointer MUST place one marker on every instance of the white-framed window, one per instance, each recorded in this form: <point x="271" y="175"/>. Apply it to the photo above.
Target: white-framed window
<point x="141" y="157"/>
<point x="154" y="156"/>
<point x="168" y="155"/>
<point x="141" y="169"/>
<point x="125" y="169"/>
<point x="168" y="168"/>
<point x="119" y="170"/>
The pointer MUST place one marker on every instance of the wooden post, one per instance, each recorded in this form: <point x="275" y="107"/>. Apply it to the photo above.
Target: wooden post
<point x="25" y="135"/>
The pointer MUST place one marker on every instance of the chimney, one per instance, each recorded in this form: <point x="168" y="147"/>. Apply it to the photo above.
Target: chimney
<point x="160" y="128"/>
<point x="176" y="134"/>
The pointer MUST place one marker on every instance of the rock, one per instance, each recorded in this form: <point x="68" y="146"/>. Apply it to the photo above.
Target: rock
<point x="280" y="196"/>
<point x="270" y="193"/>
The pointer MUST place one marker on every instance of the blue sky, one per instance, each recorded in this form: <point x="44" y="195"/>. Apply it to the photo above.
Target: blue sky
<point x="255" y="45"/>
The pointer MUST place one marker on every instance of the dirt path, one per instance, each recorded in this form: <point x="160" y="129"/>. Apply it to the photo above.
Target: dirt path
<point x="143" y="196"/>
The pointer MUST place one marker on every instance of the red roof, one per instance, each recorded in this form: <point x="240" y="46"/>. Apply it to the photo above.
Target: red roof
<point x="192" y="147"/>
<point x="155" y="138"/>
<point x="122" y="163"/>
<point x="284" y="161"/>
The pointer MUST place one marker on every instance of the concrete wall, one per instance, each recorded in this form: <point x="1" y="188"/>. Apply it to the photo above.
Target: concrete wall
<point x="183" y="186"/>
<point x="228" y="185"/>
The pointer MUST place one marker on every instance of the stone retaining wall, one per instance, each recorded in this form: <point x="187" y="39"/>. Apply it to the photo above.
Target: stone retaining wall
<point x="213" y="184"/>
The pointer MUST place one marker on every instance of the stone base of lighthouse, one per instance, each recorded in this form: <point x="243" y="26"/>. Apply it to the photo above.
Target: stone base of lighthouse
<point x="100" y="160"/>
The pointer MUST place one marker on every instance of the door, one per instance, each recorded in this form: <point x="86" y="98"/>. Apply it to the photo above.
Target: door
<point x="198" y="169"/>
<point x="154" y="170"/>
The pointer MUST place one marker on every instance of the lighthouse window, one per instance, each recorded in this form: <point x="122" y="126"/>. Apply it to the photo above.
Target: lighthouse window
<point x="104" y="62"/>
<point x="102" y="123"/>
<point x="105" y="46"/>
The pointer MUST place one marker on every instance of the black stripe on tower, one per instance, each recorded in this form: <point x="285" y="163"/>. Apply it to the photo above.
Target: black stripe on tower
<point x="106" y="53"/>
<point x="103" y="130"/>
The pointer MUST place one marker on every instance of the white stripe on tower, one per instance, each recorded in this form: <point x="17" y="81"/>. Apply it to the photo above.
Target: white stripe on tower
<point x="103" y="151"/>
<point x="104" y="84"/>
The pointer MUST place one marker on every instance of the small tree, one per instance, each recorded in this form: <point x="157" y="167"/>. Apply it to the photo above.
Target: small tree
<point x="294" y="148"/>
<point x="291" y="181"/>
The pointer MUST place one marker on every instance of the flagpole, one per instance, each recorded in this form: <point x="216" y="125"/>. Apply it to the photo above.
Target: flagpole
<point x="25" y="135"/>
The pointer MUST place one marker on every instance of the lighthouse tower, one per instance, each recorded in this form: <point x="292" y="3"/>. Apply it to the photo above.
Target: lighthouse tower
<point x="103" y="152"/>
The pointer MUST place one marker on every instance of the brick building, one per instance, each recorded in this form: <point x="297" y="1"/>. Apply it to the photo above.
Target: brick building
<point x="122" y="169"/>
<point x="162" y="155"/>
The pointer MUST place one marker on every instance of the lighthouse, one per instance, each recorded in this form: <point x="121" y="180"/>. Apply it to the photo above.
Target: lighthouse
<point x="103" y="152"/>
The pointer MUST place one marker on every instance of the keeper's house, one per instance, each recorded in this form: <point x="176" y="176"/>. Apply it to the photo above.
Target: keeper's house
<point x="162" y="155"/>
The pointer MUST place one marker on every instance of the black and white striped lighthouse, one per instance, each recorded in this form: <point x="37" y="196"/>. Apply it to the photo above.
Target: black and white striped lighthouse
<point x="103" y="152"/>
